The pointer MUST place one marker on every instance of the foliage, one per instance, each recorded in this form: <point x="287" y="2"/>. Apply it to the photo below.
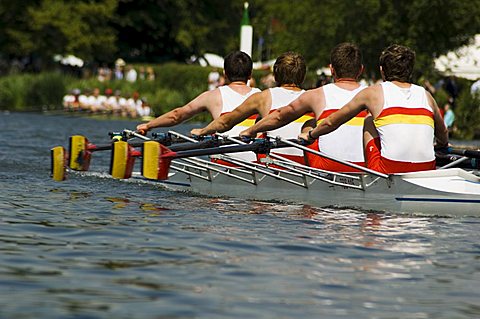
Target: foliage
<point x="156" y="31"/>
<point x="313" y="28"/>
<point x="46" y="90"/>
<point x="27" y="92"/>
<point x="12" y="92"/>
<point x="176" y="29"/>
<point x="467" y="113"/>
<point x="44" y="28"/>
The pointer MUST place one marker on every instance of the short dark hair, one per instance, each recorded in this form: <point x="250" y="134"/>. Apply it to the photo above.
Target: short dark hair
<point x="289" y="68"/>
<point x="238" y="66"/>
<point x="346" y="60"/>
<point x="397" y="63"/>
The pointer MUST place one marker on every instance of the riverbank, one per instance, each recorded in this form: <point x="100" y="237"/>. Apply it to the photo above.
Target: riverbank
<point x="174" y="85"/>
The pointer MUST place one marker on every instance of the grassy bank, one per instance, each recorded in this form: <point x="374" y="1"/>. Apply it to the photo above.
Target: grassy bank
<point x="175" y="85"/>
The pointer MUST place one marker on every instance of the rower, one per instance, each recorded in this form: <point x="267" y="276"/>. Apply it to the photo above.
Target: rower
<point x="346" y="144"/>
<point x="289" y="72"/>
<point x="238" y="70"/>
<point x="399" y="133"/>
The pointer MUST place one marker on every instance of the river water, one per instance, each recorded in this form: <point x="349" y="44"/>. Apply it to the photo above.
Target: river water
<point x="94" y="247"/>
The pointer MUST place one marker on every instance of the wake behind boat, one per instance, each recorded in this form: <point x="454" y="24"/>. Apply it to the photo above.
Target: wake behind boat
<point x="445" y="192"/>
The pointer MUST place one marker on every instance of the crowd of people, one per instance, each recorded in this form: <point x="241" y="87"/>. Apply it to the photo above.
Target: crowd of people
<point x="389" y="126"/>
<point x="111" y="102"/>
<point x="122" y="71"/>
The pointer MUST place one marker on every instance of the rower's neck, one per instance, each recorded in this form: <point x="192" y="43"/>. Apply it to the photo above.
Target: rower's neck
<point x="237" y="83"/>
<point x="292" y="87"/>
<point x="343" y="80"/>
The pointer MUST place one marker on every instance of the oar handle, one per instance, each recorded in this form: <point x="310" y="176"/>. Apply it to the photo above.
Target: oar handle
<point x="464" y="152"/>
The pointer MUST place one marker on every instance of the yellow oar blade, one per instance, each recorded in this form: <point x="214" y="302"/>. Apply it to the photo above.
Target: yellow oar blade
<point x="151" y="155"/>
<point x="122" y="160"/>
<point x="79" y="154"/>
<point x="154" y="164"/>
<point x="58" y="163"/>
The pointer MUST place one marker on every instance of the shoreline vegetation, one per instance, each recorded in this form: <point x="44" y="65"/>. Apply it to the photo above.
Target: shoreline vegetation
<point x="176" y="84"/>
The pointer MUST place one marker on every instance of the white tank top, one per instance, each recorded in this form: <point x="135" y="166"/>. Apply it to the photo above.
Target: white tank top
<point x="406" y="125"/>
<point x="281" y="97"/>
<point x="230" y="100"/>
<point x="346" y="142"/>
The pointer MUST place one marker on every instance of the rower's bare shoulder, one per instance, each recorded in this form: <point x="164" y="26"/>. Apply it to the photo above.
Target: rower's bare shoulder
<point x="313" y="96"/>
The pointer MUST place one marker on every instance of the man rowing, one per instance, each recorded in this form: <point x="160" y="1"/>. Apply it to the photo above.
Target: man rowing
<point x="399" y="134"/>
<point x="238" y="70"/>
<point x="289" y="71"/>
<point x="346" y="67"/>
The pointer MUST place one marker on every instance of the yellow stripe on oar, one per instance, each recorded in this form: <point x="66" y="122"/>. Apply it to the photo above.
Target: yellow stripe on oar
<point x="58" y="170"/>
<point x="119" y="159"/>
<point x="151" y="155"/>
<point x="78" y="147"/>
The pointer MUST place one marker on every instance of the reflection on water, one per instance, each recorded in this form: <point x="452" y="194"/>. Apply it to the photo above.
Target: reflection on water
<point x="93" y="247"/>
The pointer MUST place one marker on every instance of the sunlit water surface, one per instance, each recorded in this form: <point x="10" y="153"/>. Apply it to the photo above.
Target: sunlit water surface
<point x="94" y="247"/>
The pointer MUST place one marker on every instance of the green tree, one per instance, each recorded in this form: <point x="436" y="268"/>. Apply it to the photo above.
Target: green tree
<point x="176" y="29"/>
<point x="313" y="28"/>
<point x="48" y="27"/>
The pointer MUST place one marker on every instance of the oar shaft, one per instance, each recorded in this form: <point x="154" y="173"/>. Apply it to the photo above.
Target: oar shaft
<point x="105" y="147"/>
<point x="212" y="151"/>
<point x="257" y="146"/>
<point x="464" y="152"/>
<point x="361" y="168"/>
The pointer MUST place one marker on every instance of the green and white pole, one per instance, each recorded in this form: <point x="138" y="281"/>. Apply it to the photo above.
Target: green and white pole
<point x="246" y="32"/>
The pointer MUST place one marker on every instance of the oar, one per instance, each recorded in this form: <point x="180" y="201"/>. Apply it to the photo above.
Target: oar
<point x="463" y="152"/>
<point x="457" y="157"/>
<point x="159" y="160"/>
<point x="123" y="155"/>
<point x="80" y="151"/>
<point x="306" y="149"/>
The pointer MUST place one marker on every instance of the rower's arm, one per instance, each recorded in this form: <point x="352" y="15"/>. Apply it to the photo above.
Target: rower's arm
<point x="180" y="114"/>
<point x="279" y="117"/>
<point x="441" y="130"/>
<point x="252" y="105"/>
<point x="347" y="112"/>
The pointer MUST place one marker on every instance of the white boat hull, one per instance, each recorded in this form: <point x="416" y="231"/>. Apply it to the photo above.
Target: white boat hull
<point x="450" y="192"/>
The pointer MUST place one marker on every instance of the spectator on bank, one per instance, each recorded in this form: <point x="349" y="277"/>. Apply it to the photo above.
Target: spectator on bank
<point x="97" y="101"/>
<point x="475" y="88"/>
<point x="130" y="74"/>
<point x="116" y="102"/>
<point x="144" y="109"/>
<point x="452" y="88"/>
<point x="106" y="103"/>
<point x="150" y="74"/>
<point x="118" y="72"/>
<point x="104" y="73"/>
<point x="448" y="116"/>
<point x="68" y="101"/>
<point x="213" y="79"/>
<point x="141" y="73"/>
<point x="133" y="104"/>
<point x="84" y="100"/>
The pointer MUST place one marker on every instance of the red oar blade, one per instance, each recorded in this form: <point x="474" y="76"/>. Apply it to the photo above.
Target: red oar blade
<point x="155" y="163"/>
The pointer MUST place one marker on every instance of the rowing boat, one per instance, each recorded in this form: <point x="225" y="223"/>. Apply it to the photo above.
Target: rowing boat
<point x="442" y="192"/>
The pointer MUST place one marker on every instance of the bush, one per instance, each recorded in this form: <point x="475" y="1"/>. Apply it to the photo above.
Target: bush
<point x="467" y="115"/>
<point x="45" y="91"/>
<point x="12" y="88"/>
